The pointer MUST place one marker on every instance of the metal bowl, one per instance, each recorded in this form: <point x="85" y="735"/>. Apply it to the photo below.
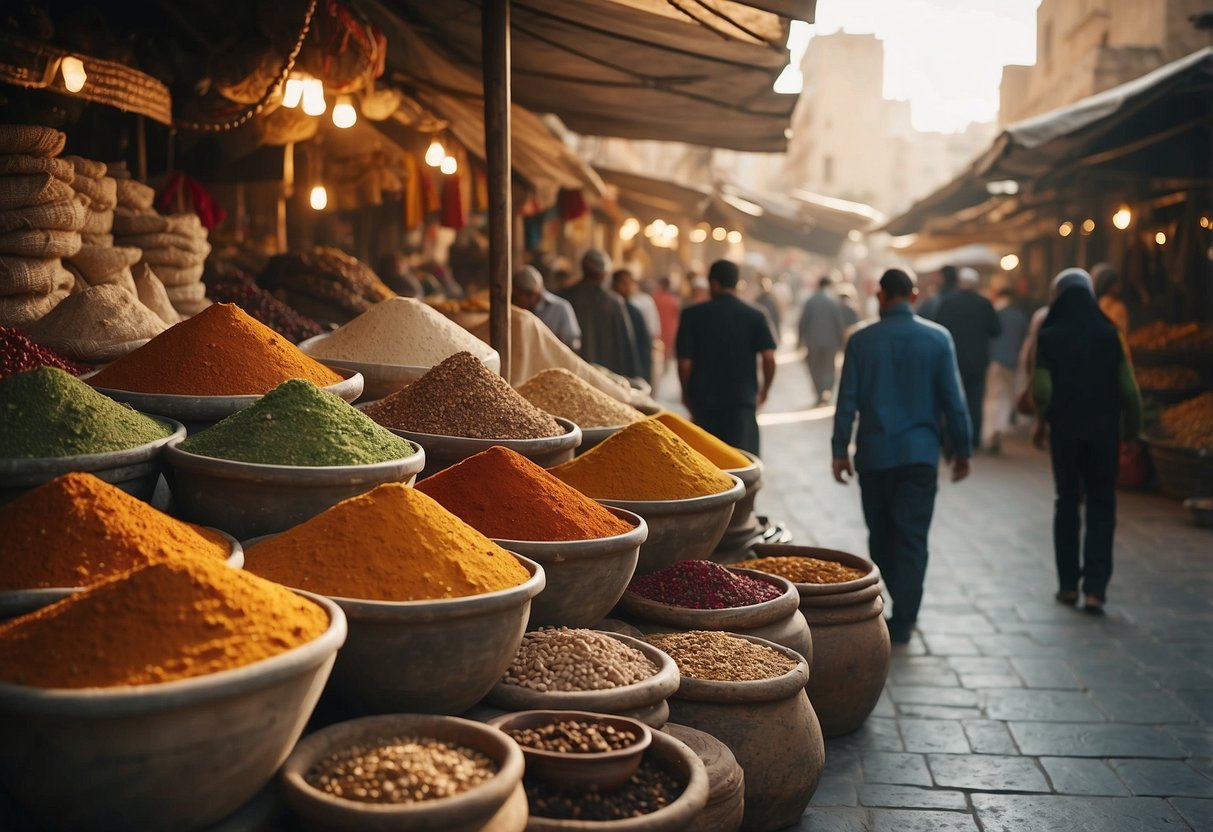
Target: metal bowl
<point x="584" y="577"/>
<point x="682" y="529"/>
<point x="467" y="812"/>
<point x="17" y="602"/>
<point x="444" y="451"/>
<point x="248" y="499"/>
<point x="440" y="656"/>
<point x="134" y="470"/>
<point x="1202" y="510"/>
<point x="595" y="436"/>
<point x="643" y="700"/>
<point x="199" y="412"/>
<point x="172" y="756"/>
<point x="600" y="770"/>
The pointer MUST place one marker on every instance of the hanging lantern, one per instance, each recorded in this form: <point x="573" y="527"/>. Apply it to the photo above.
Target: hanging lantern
<point x="74" y="75"/>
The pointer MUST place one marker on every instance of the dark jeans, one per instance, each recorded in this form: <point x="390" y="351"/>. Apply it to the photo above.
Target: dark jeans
<point x="821" y="369"/>
<point x="974" y="383"/>
<point x="1084" y="468"/>
<point x="738" y="426"/>
<point x="897" y="505"/>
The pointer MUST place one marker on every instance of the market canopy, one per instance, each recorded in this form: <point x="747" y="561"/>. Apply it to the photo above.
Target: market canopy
<point x="1159" y="125"/>
<point x="638" y="69"/>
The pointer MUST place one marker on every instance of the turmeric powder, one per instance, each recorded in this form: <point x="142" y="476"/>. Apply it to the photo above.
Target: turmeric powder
<point x="157" y="623"/>
<point x="391" y="544"/>
<point x="722" y="454"/>
<point x="644" y="461"/>
<point x="77" y="529"/>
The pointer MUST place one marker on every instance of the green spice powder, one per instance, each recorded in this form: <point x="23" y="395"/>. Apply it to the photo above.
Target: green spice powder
<point x="297" y="423"/>
<point x="49" y="413"/>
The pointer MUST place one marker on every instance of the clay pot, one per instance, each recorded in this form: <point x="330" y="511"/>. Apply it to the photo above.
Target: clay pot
<point x="850" y="640"/>
<point x="771" y="729"/>
<point x="726" y="781"/>
<point x="778" y="620"/>
<point x="744" y="524"/>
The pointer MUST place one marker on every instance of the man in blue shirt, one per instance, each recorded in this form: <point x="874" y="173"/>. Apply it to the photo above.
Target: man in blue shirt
<point x="900" y="377"/>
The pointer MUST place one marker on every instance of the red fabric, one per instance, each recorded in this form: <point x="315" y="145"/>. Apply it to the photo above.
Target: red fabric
<point x="572" y="204"/>
<point x="197" y="197"/>
<point x="452" y="203"/>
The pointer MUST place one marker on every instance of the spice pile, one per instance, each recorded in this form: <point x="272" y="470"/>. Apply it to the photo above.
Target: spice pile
<point x="702" y="585"/>
<point x="48" y="413"/>
<point x="18" y="354"/>
<point x="297" y="423"/>
<point x="563" y="659"/>
<point x="505" y="496"/>
<point x="391" y="544"/>
<point x="720" y="657"/>
<point x="722" y="455"/>
<point x="462" y="397"/>
<point x="401" y="770"/>
<point x="804" y="570"/>
<point x="574" y="736"/>
<point x="76" y="529"/>
<point x="1167" y="378"/>
<point x="563" y="394"/>
<point x="651" y="788"/>
<point x="1164" y="336"/>
<point x="644" y="461"/>
<point x="1190" y="423"/>
<point x="220" y="352"/>
<point x="325" y="283"/>
<point x="235" y="286"/>
<point x="401" y="331"/>
<point x="157" y="623"/>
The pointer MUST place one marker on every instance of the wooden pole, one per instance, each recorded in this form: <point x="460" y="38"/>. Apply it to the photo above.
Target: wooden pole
<point x="495" y="49"/>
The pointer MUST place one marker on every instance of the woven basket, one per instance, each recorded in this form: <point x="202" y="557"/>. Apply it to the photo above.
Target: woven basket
<point x="1181" y="472"/>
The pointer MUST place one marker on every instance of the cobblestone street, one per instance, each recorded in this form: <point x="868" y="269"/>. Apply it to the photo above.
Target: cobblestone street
<point x="1008" y="712"/>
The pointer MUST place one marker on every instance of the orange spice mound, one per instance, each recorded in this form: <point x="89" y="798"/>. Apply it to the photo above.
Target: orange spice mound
<point x="721" y="453"/>
<point x="77" y="529"/>
<point x="390" y="544"/>
<point x="804" y="570"/>
<point x="221" y="351"/>
<point x="158" y="623"/>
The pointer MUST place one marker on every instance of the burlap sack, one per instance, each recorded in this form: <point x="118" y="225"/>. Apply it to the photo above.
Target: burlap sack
<point x="37" y="242"/>
<point x="96" y="263"/>
<point x="185" y="294"/>
<point x="103" y="240"/>
<point x="31" y="140"/>
<point x="134" y="194"/>
<point x="176" y="257"/>
<point x="32" y="189"/>
<point x="173" y="276"/>
<point x="194" y="243"/>
<point x="19" y="309"/>
<point x="102" y="193"/>
<point x="98" y="222"/>
<point x="17" y="165"/>
<point x="130" y="221"/>
<point x="118" y="169"/>
<point x="100" y="324"/>
<point x="189" y="309"/>
<point x="28" y="275"/>
<point x="87" y="167"/>
<point x="121" y="278"/>
<point x="68" y="215"/>
<point x="152" y="294"/>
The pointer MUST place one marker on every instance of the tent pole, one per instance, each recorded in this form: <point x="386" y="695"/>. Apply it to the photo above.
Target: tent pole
<point x="495" y="47"/>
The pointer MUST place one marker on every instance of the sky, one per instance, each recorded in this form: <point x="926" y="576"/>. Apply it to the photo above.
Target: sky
<point x="944" y="56"/>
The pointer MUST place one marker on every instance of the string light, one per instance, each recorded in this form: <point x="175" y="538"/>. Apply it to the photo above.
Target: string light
<point x="313" y="97"/>
<point x="344" y="114"/>
<point x="734" y="237"/>
<point x="1088" y="225"/>
<point x="449" y="165"/>
<point x="629" y="229"/>
<point x="74" y="75"/>
<point x="1205" y="222"/>
<point x="1066" y="228"/>
<point x="718" y="234"/>
<point x="1122" y="217"/>
<point x="698" y="235"/>
<point x="293" y="92"/>
<point x="319" y="198"/>
<point x="1160" y="238"/>
<point x="1009" y="262"/>
<point x="435" y="153"/>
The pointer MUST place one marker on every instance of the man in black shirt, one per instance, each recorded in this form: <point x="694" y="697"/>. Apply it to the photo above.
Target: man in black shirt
<point x="718" y="345"/>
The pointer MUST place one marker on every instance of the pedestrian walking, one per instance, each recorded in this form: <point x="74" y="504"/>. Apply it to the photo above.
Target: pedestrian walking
<point x="820" y="332"/>
<point x="900" y="378"/>
<point x="555" y="312"/>
<point x="928" y="307"/>
<point x="971" y="320"/>
<point x="606" y="326"/>
<point x="623" y="283"/>
<point x="1084" y="390"/>
<point x="719" y="345"/>
<point x="1001" y="387"/>
<point x="669" y="307"/>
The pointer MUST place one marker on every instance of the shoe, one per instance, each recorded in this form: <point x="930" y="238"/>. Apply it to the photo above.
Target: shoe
<point x="1069" y="598"/>
<point x="1092" y="606"/>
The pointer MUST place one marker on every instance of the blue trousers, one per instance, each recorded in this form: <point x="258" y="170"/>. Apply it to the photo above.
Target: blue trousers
<point x="897" y="505"/>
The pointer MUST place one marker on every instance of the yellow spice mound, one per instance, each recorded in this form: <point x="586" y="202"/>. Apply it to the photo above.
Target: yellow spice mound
<point x="391" y="544"/>
<point x="77" y="529"/>
<point x="157" y="623"/>
<point x="644" y="461"/>
<point x="722" y="454"/>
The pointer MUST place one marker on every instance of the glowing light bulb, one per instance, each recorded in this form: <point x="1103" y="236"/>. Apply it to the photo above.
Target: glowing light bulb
<point x="449" y="165"/>
<point x="1205" y="222"/>
<point x="734" y="237"/>
<point x="74" y="75"/>
<point x="292" y="94"/>
<point x="1009" y="262"/>
<point x="344" y="114"/>
<point x="313" y="97"/>
<point x="1160" y="238"/>
<point x="319" y="198"/>
<point x="1066" y="228"/>
<point x="1122" y="217"/>
<point x="1088" y="225"/>
<point x="435" y="153"/>
<point x="698" y="235"/>
<point x="718" y="234"/>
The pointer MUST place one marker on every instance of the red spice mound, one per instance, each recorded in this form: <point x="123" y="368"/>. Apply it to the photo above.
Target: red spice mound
<point x="703" y="585"/>
<point x="18" y="354"/>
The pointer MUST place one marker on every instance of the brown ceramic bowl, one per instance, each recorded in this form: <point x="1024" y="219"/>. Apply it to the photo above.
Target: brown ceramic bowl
<point x="600" y="769"/>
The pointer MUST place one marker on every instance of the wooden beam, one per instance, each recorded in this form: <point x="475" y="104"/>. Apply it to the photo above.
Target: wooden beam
<point x="495" y="48"/>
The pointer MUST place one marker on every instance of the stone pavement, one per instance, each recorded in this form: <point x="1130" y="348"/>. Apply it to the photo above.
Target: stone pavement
<point x="1008" y="712"/>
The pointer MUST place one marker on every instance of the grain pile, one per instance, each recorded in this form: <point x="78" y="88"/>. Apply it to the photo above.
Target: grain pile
<point x="720" y="657"/>
<point x="401" y="770"/>
<point x="401" y="331"/>
<point x="564" y="659"/>
<point x="563" y="394"/>
<point x="1190" y="423"/>
<point x="804" y="570"/>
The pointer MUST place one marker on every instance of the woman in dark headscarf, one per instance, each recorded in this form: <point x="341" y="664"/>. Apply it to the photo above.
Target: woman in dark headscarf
<point x="1084" y="389"/>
